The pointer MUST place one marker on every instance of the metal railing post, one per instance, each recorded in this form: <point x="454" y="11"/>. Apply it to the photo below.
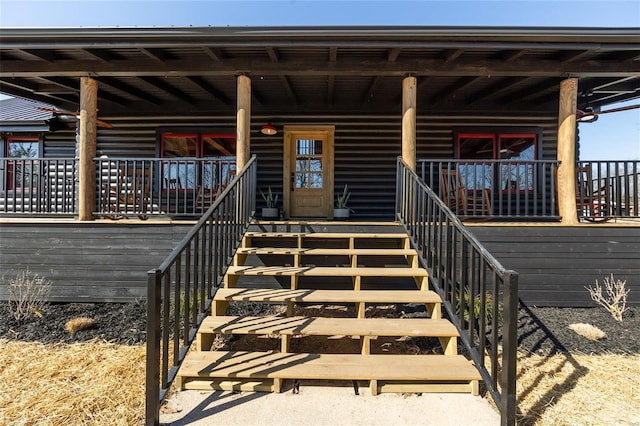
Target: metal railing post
<point x="509" y="349"/>
<point x="153" y="348"/>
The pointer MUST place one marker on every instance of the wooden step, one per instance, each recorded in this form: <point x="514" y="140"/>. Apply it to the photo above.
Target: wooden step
<point x="285" y="327"/>
<point x="361" y="298"/>
<point x="325" y="251"/>
<point x="354" y="253"/>
<point x="436" y="373"/>
<point x="326" y="235"/>
<point x="233" y="272"/>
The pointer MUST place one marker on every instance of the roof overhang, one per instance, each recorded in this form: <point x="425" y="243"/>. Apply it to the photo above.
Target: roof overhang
<point x="320" y="69"/>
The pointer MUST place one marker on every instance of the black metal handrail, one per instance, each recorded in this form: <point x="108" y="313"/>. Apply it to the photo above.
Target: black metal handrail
<point x="479" y="294"/>
<point x="180" y="290"/>
<point x="608" y="190"/>
<point x="499" y="189"/>
<point x="38" y="186"/>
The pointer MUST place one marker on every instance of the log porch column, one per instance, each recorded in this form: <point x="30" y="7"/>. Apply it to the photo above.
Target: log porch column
<point x="87" y="148"/>
<point x="243" y="122"/>
<point x="567" y="151"/>
<point x="409" y="88"/>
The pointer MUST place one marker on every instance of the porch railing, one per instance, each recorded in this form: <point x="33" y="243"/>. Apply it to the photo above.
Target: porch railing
<point x="180" y="290"/>
<point x="38" y="186"/>
<point x="501" y="189"/>
<point x="479" y="294"/>
<point x="160" y="186"/>
<point x="608" y="190"/>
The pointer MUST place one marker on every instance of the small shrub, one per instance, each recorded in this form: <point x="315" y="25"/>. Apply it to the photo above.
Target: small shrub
<point x="77" y="324"/>
<point x="477" y="304"/>
<point x="587" y="330"/>
<point x="27" y="294"/>
<point x="615" y="300"/>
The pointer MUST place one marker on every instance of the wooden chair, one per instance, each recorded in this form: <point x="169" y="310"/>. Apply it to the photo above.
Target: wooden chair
<point x="134" y="190"/>
<point x="592" y="202"/>
<point x="206" y="196"/>
<point x="462" y="201"/>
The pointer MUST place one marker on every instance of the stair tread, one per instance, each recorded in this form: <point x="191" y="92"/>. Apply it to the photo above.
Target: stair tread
<point x="325" y="251"/>
<point x="323" y="271"/>
<point x="323" y="326"/>
<point x="280" y="295"/>
<point x="328" y="235"/>
<point x="243" y="364"/>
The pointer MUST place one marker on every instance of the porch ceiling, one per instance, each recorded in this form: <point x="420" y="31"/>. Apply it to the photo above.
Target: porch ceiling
<point x="319" y="70"/>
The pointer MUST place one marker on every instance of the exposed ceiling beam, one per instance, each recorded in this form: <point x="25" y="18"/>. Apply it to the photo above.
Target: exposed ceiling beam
<point x="273" y="54"/>
<point x="333" y="54"/>
<point x="514" y="54"/>
<point x="375" y="82"/>
<point x="168" y="88"/>
<point x="207" y="87"/>
<point x="566" y="57"/>
<point x="346" y="66"/>
<point x="100" y="54"/>
<point x="129" y="89"/>
<point x="155" y="54"/>
<point x="286" y="82"/>
<point x="74" y="86"/>
<point x="214" y="53"/>
<point x="448" y="91"/>
<point x="545" y="87"/>
<point x="452" y="55"/>
<point x="60" y="100"/>
<point x="44" y="55"/>
<point x="495" y="89"/>
<point x="393" y="54"/>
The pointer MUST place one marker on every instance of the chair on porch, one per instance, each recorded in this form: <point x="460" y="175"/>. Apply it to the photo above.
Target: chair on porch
<point x="132" y="192"/>
<point x="462" y="201"/>
<point x="593" y="201"/>
<point x="206" y="196"/>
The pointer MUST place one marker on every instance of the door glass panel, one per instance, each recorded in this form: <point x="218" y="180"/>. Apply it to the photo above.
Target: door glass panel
<point x="308" y="164"/>
<point x="179" y="172"/>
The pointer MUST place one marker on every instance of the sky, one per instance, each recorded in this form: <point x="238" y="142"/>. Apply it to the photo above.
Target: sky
<point x="614" y="136"/>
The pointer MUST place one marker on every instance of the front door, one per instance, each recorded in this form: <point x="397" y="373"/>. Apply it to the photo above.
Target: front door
<point x="308" y="171"/>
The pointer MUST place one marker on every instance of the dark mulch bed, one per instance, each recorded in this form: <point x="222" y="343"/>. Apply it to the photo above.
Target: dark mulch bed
<point x="545" y="331"/>
<point x="123" y="323"/>
<point x="541" y="331"/>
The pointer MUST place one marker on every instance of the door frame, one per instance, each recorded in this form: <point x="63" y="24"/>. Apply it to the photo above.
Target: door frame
<point x="290" y="133"/>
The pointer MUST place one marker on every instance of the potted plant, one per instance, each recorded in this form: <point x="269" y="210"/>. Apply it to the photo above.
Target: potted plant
<point x="271" y="211"/>
<point x="340" y="210"/>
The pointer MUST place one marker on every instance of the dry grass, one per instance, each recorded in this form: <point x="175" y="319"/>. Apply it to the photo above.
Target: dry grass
<point x="566" y="389"/>
<point x="77" y="324"/>
<point x="93" y="383"/>
<point x="588" y="331"/>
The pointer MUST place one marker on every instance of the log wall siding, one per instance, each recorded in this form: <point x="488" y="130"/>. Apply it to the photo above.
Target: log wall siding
<point x="556" y="263"/>
<point x="87" y="262"/>
<point x="366" y="147"/>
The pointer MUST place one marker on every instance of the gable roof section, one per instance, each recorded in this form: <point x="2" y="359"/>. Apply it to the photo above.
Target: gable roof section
<point x="320" y="69"/>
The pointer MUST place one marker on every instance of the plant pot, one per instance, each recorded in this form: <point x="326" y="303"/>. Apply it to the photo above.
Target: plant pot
<point x="341" y="214"/>
<point x="269" y="212"/>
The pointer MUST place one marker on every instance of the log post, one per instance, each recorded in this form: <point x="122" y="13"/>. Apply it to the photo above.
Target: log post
<point x="409" y="89"/>
<point x="567" y="151"/>
<point x="243" y="122"/>
<point x="87" y="148"/>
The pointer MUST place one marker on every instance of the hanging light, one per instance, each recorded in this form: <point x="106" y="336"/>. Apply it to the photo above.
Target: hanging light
<point x="268" y="130"/>
<point x="586" y="116"/>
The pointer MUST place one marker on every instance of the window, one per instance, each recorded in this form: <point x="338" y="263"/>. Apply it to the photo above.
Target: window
<point x="517" y="174"/>
<point x="185" y="167"/>
<point x="23" y="170"/>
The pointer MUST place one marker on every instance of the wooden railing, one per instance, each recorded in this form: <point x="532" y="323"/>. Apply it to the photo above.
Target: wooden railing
<point x="180" y="290"/>
<point x="160" y="186"/>
<point x="479" y="295"/>
<point x="38" y="186"/>
<point x="499" y="189"/>
<point x="608" y="190"/>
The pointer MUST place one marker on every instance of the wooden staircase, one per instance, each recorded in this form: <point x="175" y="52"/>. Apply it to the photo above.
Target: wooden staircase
<point x="354" y="268"/>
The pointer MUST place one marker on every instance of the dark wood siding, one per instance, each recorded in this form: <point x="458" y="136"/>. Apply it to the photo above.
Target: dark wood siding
<point x="87" y="261"/>
<point x="556" y="263"/>
<point x="366" y="147"/>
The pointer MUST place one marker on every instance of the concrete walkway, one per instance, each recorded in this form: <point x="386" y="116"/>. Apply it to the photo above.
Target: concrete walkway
<point x="318" y="405"/>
